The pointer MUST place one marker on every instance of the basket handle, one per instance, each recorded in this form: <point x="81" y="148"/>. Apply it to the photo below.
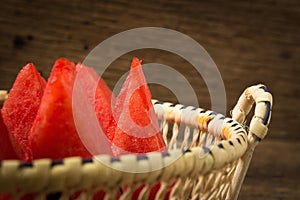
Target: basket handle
<point x="258" y="128"/>
<point x="263" y="100"/>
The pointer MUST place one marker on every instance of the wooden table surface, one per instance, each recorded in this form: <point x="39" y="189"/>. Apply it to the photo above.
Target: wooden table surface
<point x="250" y="41"/>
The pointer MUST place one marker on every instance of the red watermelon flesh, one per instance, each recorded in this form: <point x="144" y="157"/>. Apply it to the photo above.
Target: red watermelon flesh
<point x="169" y="190"/>
<point x="136" y="193"/>
<point x="54" y="134"/>
<point x="20" y="109"/>
<point x="154" y="189"/>
<point x="135" y="125"/>
<point x="6" y="149"/>
<point x="6" y="196"/>
<point x="10" y="196"/>
<point x="90" y="123"/>
<point x="98" y="93"/>
<point x="104" y="102"/>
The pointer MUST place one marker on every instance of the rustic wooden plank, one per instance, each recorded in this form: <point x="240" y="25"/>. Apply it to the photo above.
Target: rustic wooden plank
<point x="274" y="172"/>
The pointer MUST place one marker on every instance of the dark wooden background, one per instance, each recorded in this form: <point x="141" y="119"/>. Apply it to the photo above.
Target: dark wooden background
<point x="250" y="41"/>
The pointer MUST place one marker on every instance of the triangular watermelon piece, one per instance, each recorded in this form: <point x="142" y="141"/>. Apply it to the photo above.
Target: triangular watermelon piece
<point x="20" y="109"/>
<point x="54" y="134"/>
<point x="135" y="125"/>
<point x="92" y="110"/>
<point x="6" y="149"/>
<point x="98" y="93"/>
<point x="104" y="102"/>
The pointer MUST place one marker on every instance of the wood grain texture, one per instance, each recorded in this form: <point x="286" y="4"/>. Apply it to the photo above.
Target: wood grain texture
<point x="273" y="173"/>
<point x="250" y="41"/>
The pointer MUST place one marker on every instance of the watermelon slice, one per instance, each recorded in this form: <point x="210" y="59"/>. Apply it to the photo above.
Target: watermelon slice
<point x="6" y="149"/>
<point x="104" y="102"/>
<point x="98" y="93"/>
<point x="20" y="109"/>
<point x="53" y="134"/>
<point x="92" y="110"/>
<point x="135" y="126"/>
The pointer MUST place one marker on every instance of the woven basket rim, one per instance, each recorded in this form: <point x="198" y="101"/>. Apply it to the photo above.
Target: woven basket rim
<point x="238" y="135"/>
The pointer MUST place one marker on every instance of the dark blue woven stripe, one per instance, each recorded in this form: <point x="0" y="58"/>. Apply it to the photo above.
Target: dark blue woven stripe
<point x="266" y="119"/>
<point x="142" y="157"/>
<point x="186" y="151"/>
<point x="54" y="196"/>
<point x="87" y="160"/>
<point x="206" y="149"/>
<point x="230" y="121"/>
<point x="213" y="113"/>
<point x="25" y="164"/>
<point x="57" y="162"/>
<point x="194" y="108"/>
<point x="183" y="107"/>
<point x="264" y="88"/>
<point x="114" y="159"/>
<point x="165" y="154"/>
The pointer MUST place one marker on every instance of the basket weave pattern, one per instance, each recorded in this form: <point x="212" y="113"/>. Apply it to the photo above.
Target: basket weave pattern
<point x="208" y="157"/>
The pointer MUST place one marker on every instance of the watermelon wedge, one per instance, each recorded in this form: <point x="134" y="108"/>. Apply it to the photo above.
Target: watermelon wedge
<point x="53" y="134"/>
<point x="135" y="126"/>
<point x="92" y="110"/>
<point x="6" y="149"/>
<point x="98" y="93"/>
<point x="20" y="109"/>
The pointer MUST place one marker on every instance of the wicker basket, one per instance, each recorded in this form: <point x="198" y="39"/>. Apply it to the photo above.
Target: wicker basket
<point x="189" y="170"/>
